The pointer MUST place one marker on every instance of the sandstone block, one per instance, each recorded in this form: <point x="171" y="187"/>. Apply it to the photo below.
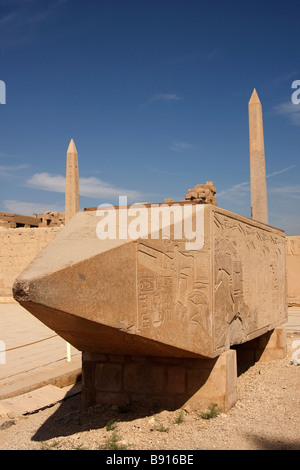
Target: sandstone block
<point x="108" y="377"/>
<point x="156" y="295"/>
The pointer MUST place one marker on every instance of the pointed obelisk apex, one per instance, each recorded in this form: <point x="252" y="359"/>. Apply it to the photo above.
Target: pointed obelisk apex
<point x="72" y="182"/>
<point x="254" y="98"/>
<point x="259" y="205"/>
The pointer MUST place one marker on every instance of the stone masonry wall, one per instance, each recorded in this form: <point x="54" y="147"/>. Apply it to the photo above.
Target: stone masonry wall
<point x="18" y="247"/>
<point x="159" y="382"/>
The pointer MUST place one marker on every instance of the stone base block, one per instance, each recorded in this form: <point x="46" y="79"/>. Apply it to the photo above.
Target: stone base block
<point x="267" y="347"/>
<point x="160" y="382"/>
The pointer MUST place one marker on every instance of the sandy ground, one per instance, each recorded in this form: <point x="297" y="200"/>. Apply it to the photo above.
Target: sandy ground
<point x="265" y="417"/>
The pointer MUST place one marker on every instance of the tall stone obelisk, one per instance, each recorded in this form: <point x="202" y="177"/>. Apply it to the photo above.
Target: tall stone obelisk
<point x="259" y="205"/>
<point x="72" y="182"/>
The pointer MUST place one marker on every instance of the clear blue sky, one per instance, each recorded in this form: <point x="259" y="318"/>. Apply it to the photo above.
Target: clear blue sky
<point x="155" y="95"/>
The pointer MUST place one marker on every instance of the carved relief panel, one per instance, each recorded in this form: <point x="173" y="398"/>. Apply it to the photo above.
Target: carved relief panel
<point x="249" y="279"/>
<point x="174" y="294"/>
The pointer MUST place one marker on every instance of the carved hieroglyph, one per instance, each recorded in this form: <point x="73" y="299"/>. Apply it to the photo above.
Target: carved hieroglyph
<point x="174" y="294"/>
<point x="153" y="296"/>
<point x="249" y="279"/>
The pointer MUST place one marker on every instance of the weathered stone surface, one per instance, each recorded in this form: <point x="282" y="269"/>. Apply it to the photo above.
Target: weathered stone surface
<point x="293" y="270"/>
<point x="155" y="381"/>
<point x="18" y="247"/>
<point x="155" y="296"/>
<point x="202" y="193"/>
<point x="48" y="219"/>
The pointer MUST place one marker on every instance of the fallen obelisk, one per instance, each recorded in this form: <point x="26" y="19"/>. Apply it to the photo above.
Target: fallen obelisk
<point x="175" y="306"/>
<point x="161" y="298"/>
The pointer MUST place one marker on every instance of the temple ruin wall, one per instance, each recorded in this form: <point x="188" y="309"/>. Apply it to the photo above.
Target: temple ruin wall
<point x="18" y="247"/>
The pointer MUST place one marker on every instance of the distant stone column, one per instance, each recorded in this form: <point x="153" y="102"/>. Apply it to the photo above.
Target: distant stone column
<point x="259" y="205"/>
<point x="72" y="182"/>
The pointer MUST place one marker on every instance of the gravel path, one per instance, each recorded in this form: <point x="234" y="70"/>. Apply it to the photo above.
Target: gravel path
<point x="266" y="417"/>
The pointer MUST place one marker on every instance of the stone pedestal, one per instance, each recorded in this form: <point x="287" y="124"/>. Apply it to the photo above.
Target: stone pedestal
<point x="267" y="347"/>
<point x="160" y="382"/>
<point x="173" y="383"/>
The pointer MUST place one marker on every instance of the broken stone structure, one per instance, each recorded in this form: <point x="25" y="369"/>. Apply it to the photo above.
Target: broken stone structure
<point x="48" y="219"/>
<point x="202" y="193"/>
<point x="161" y="312"/>
<point x="52" y="219"/>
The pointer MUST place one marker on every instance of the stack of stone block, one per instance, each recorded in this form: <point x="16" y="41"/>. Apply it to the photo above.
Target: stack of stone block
<point x="202" y="194"/>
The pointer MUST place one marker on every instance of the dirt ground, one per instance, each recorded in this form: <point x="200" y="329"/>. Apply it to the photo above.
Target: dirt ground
<point x="265" y="417"/>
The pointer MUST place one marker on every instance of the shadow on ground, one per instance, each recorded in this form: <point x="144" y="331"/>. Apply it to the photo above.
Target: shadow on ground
<point x="70" y="418"/>
<point x="263" y="443"/>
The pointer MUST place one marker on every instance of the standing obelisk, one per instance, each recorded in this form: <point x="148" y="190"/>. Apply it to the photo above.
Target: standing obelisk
<point x="259" y="205"/>
<point x="72" y="182"/>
